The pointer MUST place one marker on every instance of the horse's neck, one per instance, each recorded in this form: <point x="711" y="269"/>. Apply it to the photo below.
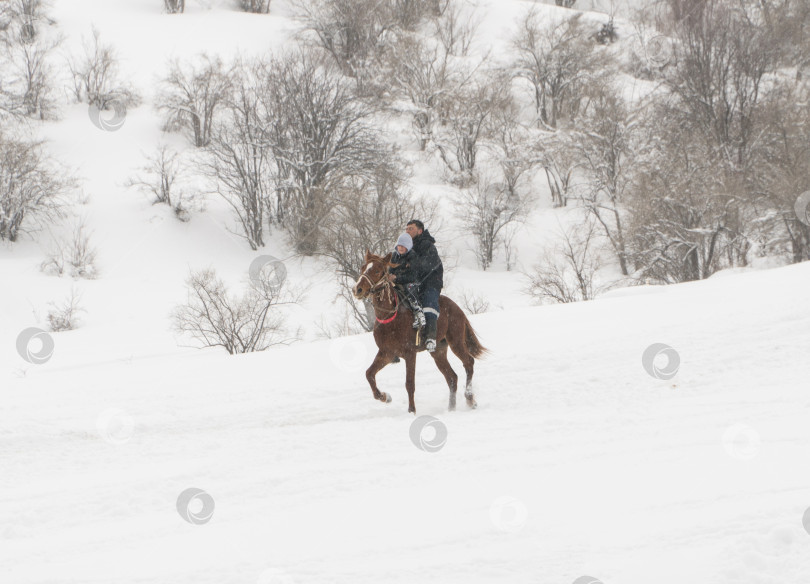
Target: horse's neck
<point x="384" y="303"/>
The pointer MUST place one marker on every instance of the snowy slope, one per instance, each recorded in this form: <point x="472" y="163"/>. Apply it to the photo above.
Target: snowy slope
<point x="576" y="462"/>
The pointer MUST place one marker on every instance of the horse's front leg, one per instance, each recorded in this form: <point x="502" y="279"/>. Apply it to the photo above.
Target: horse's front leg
<point x="410" y="380"/>
<point x="380" y="361"/>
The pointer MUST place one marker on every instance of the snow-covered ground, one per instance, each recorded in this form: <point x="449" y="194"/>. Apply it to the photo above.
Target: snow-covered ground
<point x="577" y="462"/>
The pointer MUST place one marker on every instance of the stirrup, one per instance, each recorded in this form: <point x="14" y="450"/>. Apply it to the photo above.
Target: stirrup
<point x="430" y="345"/>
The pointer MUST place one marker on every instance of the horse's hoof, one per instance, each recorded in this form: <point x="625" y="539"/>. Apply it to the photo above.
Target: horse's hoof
<point x="386" y="398"/>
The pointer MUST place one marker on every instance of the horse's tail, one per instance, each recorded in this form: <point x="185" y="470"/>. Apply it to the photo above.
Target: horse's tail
<point x="474" y="346"/>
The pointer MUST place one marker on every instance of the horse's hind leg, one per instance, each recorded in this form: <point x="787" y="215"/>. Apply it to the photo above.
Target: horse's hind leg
<point x="460" y="351"/>
<point x="440" y="357"/>
<point x="380" y="361"/>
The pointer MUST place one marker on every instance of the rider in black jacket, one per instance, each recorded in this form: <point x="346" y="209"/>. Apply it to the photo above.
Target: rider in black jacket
<point x="429" y="273"/>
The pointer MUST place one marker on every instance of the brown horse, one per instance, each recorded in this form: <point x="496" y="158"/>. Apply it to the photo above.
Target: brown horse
<point x="395" y="336"/>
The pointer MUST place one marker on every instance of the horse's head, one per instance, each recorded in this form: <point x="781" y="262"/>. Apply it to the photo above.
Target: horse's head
<point x="373" y="274"/>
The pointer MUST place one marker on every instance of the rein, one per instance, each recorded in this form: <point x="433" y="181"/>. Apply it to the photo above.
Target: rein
<point x="384" y="285"/>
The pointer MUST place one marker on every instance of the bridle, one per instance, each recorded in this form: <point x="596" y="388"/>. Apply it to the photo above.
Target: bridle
<point x="384" y="285"/>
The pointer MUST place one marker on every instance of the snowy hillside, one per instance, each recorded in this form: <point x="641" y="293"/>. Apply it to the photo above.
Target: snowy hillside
<point x="654" y="434"/>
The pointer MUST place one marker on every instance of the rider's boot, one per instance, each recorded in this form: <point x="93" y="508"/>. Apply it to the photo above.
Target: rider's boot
<point x="430" y="334"/>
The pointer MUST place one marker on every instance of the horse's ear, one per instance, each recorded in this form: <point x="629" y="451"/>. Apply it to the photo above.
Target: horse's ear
<point x="368" y="254"/>
<point x="387" y="259"/>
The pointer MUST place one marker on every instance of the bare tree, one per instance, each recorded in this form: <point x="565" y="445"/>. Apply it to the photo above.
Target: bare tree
<point x="31" y="189"/>
<point x="426" y="76"/>
<point x="468" y="116"/>
<point x="350" y="31"/>
<point x="192" y="93"/>
<point x="604" y="149"/>
<point x="64" y="316"/>
<point x="557" y="156"/>
<point x="322" y="140"/>
<point x="567" y="274"/>
<point x="238" y="160"/>
<point x="558" y="61"/>
<point x="215" y="318"/>
<point x="456" y="27"/>
<point x="485" y="210"/>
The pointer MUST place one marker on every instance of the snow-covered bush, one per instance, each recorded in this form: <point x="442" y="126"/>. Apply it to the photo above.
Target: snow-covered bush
<point x="32" y="189"/>
<point x="76" y="256"/>
<point x="192" y="93"/>
<point x="96" y="76"/>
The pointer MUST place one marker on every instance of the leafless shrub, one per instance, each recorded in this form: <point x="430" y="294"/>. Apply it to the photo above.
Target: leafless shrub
<point x="163" y="170"/>
<point x="174" y="6"/>
<point x="215" y="318"/>
<point x="567" y="273"/>
<point x="474" y="303"/>
<point x="32" y="189"/>
<point x="192" y="93"/>
<point x="77" y="256"/>
<point x="95" y="76"/>
<point x="64" y="316"/>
